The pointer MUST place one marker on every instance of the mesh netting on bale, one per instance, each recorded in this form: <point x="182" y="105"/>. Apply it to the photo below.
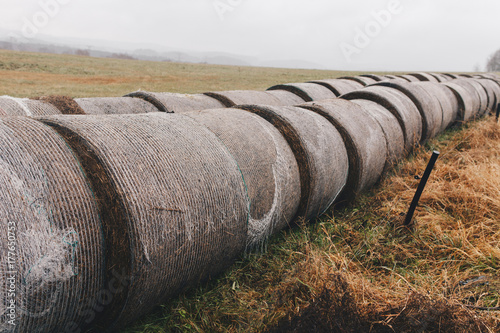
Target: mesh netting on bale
<point x="307" y="91"/>
<point x="424" y="77"/>
<point x="268" y="166"/>
<point x="377" y="78"/>
<point x="12" y="106"/>
<point x="115" y="105"/>
<point x="478" y="98"/>
<point x="363" y="138"/>
<point x="340" y="86"/>
<point x="179" y="198"/>
<point x="65" y="104"/>
<point x="447" y="100"/>
<point x="178" y="103"/>
<point x="51" y="240"/>
<point x="365" y="81"/>
<point x="239" y="97"/>
<point x="426" y="103"/>
<point x="483" y="96"/>
<point x="288" y="98"/>
<point x="467" y="101"/>
<point x="319" y="151"/>
<point x="400" y="105"/>
<point x="392" y="130"/>
<point x="409" y="78"/>
<point x="493" y="90"/>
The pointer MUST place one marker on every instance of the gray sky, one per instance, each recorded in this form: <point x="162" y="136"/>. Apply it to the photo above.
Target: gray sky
<point x="427" y="35"/>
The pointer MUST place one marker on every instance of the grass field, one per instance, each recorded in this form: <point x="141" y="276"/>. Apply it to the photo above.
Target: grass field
<point x="354" y="270"/>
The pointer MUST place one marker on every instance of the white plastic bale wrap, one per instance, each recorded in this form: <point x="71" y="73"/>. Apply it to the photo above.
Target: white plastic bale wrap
<point x="364" y="139"/>
<point x="320" y="152"/>
<point x="339" y="86"/>
<point x="181" y="208"/>
<point x="51" y="245"/>
<point x="400" y="105"/>
<point x="307" y="91"/>
<point x="392" y="130"/>
<point x="12" y="106"/>
<point x="115" y="105"/>
<point x="426" y="103"/>
<point x="239" y="97"/>
<point x="178" y="103"/>
<point x="268" y="166"/>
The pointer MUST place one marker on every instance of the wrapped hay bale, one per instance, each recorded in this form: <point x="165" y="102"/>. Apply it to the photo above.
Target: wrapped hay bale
<point x="65" y="104"/>
<point x="268" y="166"/>
<point x="307" y="91"/>
<point x="51" y="246"/>
<point x="392" y="130"/>
<point x="178" y="103"/>
<point x="365" y="81"/>
<point x="339" y="86"/>
<point x="179" y="198"/>
<point x="447" y="100"/>
<point x="400" y="105"/>
<point x="426" y="103"/>
<point x="468" y="104"/>
<point x="286" y="97"/>
<point x="115" y="105"/>
<point x="320" y="153"/>
<point x="424" y="77"/>
<point x="11" y="106"/>
<point x="239" y="97"/>
<point x="363" y="138"/>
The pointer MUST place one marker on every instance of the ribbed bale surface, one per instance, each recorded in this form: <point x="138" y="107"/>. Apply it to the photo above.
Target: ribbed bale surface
<point x="367" y="79"/>
<point x="239" y="97"/>
<point x="181" y="208"/>
<point x="409" y="78"/>
<point x="483" y="96"/>
<point x="288" y="98"/>
<point x="467" y="102"/>
<point x="427" y="105"/>
<point x="65" y="104"/>
<point x="440" y="77"/>
<point x="424" y="77"/>
<point x="307" y="91"/>
<point x="451" y="76"/>
<point x="320" y="153"/>
<point x="359" y="79"/>
<point x="400" y="105"/>
<point x="392" y="130"/>
<point x="50" y="225"/>
<point x="479" y="98"/>
<point x="376" y="78"/>
<point x="115" y="105"/>
<point x="364" y="139"/>
<point x="447" y="100"/>
<point x="339" y="86"/>
<point x="178" y="103"/>
<point x="11" y="106"/>
<point x="493" y="93"/>
<point x="268" y="166"/>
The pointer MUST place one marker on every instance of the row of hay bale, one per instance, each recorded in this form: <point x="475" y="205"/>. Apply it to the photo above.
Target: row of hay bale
<point x="107" y="215"/>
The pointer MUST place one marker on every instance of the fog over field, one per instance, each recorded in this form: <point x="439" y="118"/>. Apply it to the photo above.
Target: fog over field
<point x="396" y="35"/>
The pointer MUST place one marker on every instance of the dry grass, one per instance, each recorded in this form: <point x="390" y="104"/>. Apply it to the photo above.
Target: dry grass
<point x="361" y="271"/>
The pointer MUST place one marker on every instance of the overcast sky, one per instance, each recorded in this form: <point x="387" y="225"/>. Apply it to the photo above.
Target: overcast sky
<point x="427" y="35"/>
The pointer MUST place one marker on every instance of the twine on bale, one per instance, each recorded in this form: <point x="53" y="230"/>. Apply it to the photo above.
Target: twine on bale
<point x="65" y="104"/>
<point x="286" y="97"/>
<point x="177" y="103"/>
<point x="239" y="97"/>
<point x="465" y="99"/>
<point x="447" y="100"/>
<point x="179" y="196"/>
<point x="365" y="81"/>
<point x="321" y="155"/>
<point x="50" y="228"/>
<point x="339" y="86"/>
<point x="307" y="91"/>
<point x="469" y="94"/>
<point x="363" y="138"/>
<point x="268" y="166"/>
<point x="11" y="106"/>
<point x="115" y="105"/>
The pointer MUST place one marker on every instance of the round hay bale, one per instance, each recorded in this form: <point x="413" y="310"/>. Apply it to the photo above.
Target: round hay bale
<point x="376" y="78"/>
<point x="493" y="93"/>
<point x="365" y="81"/>
<point x="364" y="139"/>
<point x="65" y="104"/>
<point x="409" y="78"/>
<point x="268" y="166"/>
<point x="178" y="103"/>
<point x="319" y="151"/>
<point x="51" y="244"/>
<point x="339" y="86"/>
<point x="468" y="76"/>
<point x="467" y="101"/>
<point x="391" y="77"/>
<point x="451" y="76"/>
<point x="426" y="103"/>
<point x="424" y="77"/>
<point x="400" y="105"/>
<point x="307" y="91"/>
<point x="392" y="130"/>
<point x="115" y="105"/>
<point x="179" y="198"/>
<point x="440" y="77"/>
<point x="483" y="96"/>
<point x="11" y="106"/>
<point x="480" y="99"/>
<point x="447" y="100"/>
<point x="286" y="97"/>
<point x="239" y="97"/>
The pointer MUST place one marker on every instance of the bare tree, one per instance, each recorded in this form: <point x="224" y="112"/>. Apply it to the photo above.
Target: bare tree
<point x="493" y="64"/>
